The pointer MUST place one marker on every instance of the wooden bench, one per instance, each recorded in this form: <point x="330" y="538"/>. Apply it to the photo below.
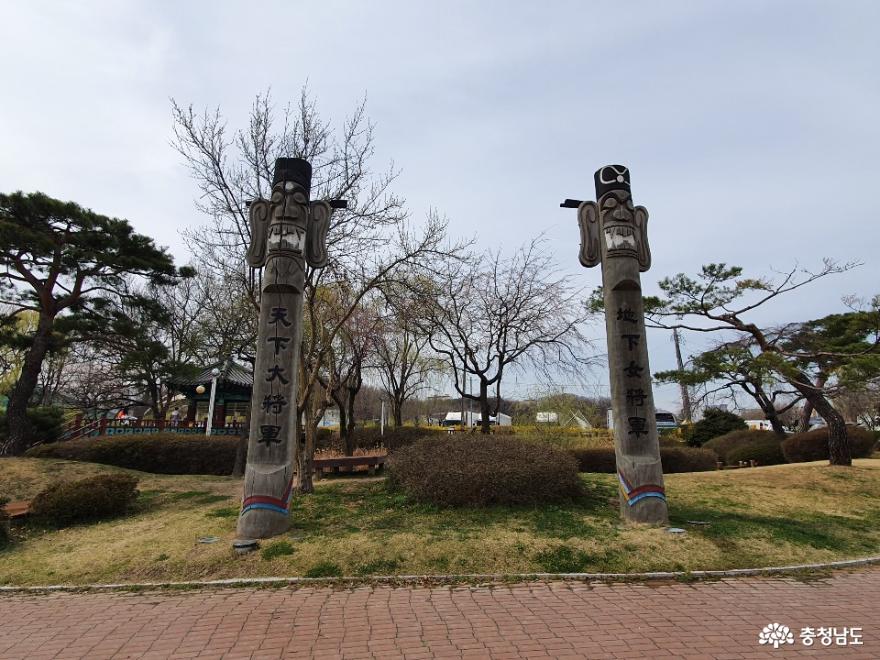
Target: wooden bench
<point x="373" y="464"/>
<point x="18" y="509"/>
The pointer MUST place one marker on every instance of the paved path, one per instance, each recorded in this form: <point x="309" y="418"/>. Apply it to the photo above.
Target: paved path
<point x="561" y="620"/>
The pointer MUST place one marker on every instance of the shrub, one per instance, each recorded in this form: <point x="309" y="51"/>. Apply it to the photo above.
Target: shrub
<point x="687" y="459"/>
<point x="369" y="437"/>
<point x="764" y="451"/>
<point x="673" y="459"/>
<point x="161" y="453"/>
<point x="480" y="470"/>
<point x="47" y="424"/>
<point x="813" y="445"/>
<point x="93" y="498"/>
<point x="596" y="459"/>
<point x="715" y="422"/>
<point x="723" y="445"/>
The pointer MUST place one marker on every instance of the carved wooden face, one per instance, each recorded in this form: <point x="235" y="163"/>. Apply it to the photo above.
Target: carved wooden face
<point x="290" y="212"/>
<point x="617" y="206"/>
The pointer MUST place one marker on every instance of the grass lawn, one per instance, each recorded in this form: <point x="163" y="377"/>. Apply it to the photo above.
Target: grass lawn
<point x="756" y="517"/>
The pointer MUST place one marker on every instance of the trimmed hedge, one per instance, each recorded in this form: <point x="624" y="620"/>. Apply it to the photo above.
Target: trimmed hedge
<point x="687" y="459"/>
<point x="160" y="453"/>
<point x="813" y="445"/>
<point x="179" y="453"/>
<point x="69" y="502"/>
<point x="765" y="451"/>
<point x="480" y="470"/>
<point x="673" y="459"/>
<point x="761" y="446"/>
<point x="369" y="438"/>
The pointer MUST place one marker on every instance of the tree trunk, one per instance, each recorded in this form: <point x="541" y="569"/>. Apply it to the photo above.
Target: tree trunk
<point x="17" y="421"/>
<point x="485" y="424"/>
<point x="350" y="425"/>
<point x="344" y="434"/>
<point x="838" y="440"/>
<point x="686" y="406"/>
<point x="306" y="455"/>
<point x="807" y="410"/>
<point x="769" y="411"/>
<point x="241" y="449"/>
<point x="397" y="411"/>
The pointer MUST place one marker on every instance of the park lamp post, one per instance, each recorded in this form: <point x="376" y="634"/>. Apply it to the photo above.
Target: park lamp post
<point x="215" y="372"/>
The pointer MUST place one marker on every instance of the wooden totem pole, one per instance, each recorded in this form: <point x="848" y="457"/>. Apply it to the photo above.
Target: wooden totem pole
<point x="286" y="232"/>
<point x="615" y="234"/>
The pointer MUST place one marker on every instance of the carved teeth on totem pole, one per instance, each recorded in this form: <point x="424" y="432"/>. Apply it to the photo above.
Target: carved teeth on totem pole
<point x="614" y="233"/>
<point x="287" y="232"/>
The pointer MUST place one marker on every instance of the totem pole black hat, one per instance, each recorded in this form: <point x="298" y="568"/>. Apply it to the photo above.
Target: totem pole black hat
<point x="611" y="177"/>
<point x="294" y="169"/>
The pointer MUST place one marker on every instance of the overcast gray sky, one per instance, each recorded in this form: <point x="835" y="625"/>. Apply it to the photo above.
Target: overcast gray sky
<point x="750" y="128"/>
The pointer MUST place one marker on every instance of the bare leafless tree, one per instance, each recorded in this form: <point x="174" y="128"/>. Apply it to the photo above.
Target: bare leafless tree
<point x="402" y="360"/>
<point x="490" y="314"/>
<point x="369" y="244"/>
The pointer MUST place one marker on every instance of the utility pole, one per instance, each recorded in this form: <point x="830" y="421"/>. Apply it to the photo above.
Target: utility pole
<point x="686" y="409"/>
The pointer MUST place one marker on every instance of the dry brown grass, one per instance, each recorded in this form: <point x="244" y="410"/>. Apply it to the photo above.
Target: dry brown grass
<point x="764" y="516"/>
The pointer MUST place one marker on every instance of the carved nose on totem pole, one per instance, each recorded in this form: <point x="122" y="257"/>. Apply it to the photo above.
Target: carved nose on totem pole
<point x="614" y="234"/>
<point x="288" y="231"/>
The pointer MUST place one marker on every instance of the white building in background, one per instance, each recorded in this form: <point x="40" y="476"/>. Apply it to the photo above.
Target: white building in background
<point x="329" y="418"/>
<point x="475" y="419"/>
<point x="569" y="419"/>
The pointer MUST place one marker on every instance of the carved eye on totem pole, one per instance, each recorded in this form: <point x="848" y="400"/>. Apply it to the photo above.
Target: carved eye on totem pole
<point x="614" y="222"/>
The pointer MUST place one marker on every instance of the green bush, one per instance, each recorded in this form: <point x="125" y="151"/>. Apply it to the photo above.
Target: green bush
<point x="46" y="422"/>
<point x="480" y="470"/>
<point x="596" y="459"/>
<point x="69" y="502"/>
<point x="763" y="443"/>
<point x="673" y="459"/>
<point x="687" y="459"/>
<point x="765" y="451"/>
<point x="813" y="445"/>
<point x="160" y="453"/>
<point x="715" y="422"/>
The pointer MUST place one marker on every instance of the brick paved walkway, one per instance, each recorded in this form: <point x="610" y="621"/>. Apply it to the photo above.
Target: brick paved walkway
<point x="561" y="620"/>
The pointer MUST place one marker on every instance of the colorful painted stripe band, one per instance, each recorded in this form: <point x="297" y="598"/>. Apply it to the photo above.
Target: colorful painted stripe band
<point x="633" y="495"/>
<point x="281" y="505"/>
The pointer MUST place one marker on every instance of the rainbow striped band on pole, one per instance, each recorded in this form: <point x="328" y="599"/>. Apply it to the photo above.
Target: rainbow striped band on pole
<point x="633" y="495"/>
<point x="267" y="502"/>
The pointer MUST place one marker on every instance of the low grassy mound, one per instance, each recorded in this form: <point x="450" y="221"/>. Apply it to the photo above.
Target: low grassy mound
<point x="160" y="453"/>
<point x="764" y="447"/>
<point x="84" y="500"/>
<point x="673" y="459"/>
<point x="482" y="470"/>
<point x="768" y="516"/>
<point x="813" y="445"/>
